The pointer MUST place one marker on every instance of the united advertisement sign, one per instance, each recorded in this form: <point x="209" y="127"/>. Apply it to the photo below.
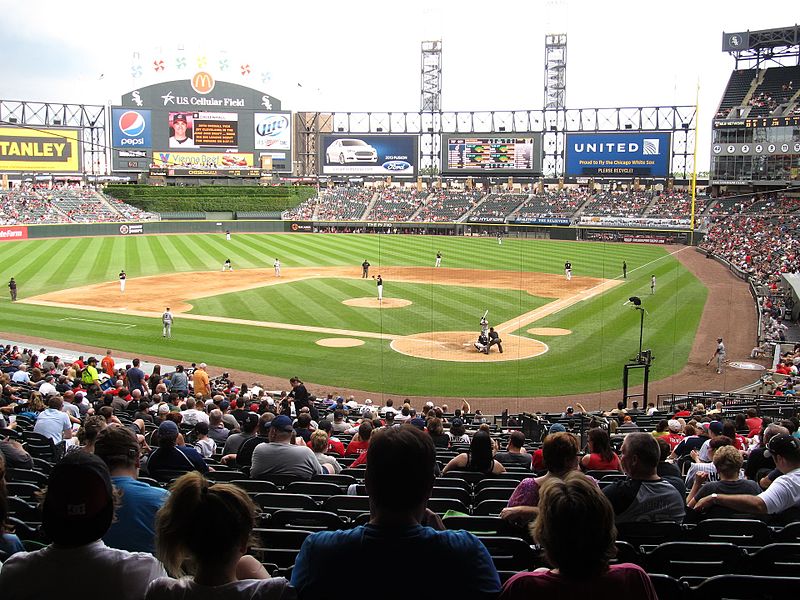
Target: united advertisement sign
<point x="618" y="154"/>
<point x="24" y="149"/>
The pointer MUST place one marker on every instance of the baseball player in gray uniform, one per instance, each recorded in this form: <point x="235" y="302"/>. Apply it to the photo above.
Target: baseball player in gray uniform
<point x="166" y="321"/>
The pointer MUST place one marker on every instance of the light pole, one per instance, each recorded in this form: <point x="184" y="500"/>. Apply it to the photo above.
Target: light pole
<point x="642" y="361"/>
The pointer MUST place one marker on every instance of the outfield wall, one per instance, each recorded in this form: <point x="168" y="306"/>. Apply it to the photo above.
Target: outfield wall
<point x="554" y="232"/>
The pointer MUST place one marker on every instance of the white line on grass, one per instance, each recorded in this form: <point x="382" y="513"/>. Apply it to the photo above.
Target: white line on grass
<point x="125" y="325"/>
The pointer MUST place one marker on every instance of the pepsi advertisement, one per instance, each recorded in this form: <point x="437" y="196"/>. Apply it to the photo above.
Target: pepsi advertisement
<point x="358" y="154"/>
<point x="131" y="129"/>
<point x="641" y="154"/>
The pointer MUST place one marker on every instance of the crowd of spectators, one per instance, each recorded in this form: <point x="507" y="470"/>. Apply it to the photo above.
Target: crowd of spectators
<point x="618" y="203"/>
<point x="193" y="540"/>
<point x="560" y="203"/>
<point x="343" y="203"/>
<point x="395" y="204"/>
<point x="63" y="203"/>
<point x="447" y="205"/>
<point x="496" y="208"/>
<point x="676" y="205"/>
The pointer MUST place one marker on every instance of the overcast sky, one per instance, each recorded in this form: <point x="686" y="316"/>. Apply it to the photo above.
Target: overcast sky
<point x="356" y="55"/>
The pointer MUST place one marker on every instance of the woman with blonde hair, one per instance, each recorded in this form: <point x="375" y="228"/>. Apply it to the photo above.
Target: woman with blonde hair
<point x="319" y="444"/>
<point x="576" y="531"/>
<point x="207" y="528"/>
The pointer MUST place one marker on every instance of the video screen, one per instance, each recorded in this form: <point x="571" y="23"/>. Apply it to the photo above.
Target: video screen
<point x="481" y="154"/>
<point x="203" y="130"/>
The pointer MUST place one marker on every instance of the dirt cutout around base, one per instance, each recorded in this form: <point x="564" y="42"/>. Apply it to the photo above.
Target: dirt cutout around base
<point x="374" y="303"/>
<point x="458" y="346"/>
<point x="339" y="342"/>
<point x="549" y="331"/>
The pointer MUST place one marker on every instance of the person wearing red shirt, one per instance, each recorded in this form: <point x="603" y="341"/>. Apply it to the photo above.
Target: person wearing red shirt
<point x="107" y="364"/>
<point x="753" y="422"/>
<point x="360" y="445"/>
<point x="674" y="437"/>
<point x="682" y="412"/>
<point x="600" y="457"/>
<point x="334" y="445"/>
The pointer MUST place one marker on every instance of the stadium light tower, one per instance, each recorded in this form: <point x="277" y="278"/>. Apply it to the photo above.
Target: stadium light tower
<point x="555" y="97"/>
<point x="431" y="91"/>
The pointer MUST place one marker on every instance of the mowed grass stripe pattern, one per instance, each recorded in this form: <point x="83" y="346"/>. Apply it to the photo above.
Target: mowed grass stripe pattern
<point x="319" y="302"/>
<point x="605" y="333"/>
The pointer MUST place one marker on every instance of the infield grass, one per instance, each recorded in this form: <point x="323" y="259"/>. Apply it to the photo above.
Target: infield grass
<point x="604" y="332"/>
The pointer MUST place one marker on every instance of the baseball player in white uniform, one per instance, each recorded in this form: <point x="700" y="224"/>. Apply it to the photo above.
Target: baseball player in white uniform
<point x="438" y="259"/>
<point x="379" y="282"/>
<point x="652" y="284"/>
<point x="568" y="270"/>
<point x="277" y="265"/>
<point x="122" y="278"/>
<point x="228" y="235"/>
<point x="227" y="266"/>
<point x="166" y="321"/>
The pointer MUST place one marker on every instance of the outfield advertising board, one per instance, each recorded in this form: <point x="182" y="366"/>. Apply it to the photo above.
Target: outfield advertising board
<point x="357" y="154"/>
<point x="13" y="232"/>
<point x="131" y="129"/>
<point x="34" y="150"/>
<point x="203" y="160"/>
<point x="618" y="154"/>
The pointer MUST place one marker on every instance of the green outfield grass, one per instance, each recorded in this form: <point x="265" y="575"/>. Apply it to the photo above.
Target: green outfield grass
<point x="605" y="333"/>
<point x="433" y="308"/>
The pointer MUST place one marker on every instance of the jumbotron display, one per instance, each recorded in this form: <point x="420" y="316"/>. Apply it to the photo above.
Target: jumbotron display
<point x="492" y="154"/>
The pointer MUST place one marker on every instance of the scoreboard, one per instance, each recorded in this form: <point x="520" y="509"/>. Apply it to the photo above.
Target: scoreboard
<point x="492" y="154"/>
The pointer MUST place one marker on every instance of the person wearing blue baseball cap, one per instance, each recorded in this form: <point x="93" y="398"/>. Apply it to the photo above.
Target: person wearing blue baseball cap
<point x="169" y="458"/>
<point x="281" y="456"/>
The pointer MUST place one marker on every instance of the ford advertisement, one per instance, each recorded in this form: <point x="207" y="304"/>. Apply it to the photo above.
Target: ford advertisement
<point x="358" y="154"/>
<point x="131" y="129"/>
<point x="618" y="155"/>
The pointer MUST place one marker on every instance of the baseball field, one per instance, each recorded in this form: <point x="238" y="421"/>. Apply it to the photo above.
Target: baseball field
<point x="321" y="319"/>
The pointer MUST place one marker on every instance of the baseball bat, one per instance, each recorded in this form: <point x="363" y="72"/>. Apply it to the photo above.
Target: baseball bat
<point x="486" y="313"/>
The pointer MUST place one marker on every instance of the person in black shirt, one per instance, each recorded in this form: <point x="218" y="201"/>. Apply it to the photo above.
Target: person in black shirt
<point x="12" y="287"/>
<point x="494" y="340"/>
<point x="365" y="269"/>
<point x="302" y="398"/>
<point x="513" y="456"/>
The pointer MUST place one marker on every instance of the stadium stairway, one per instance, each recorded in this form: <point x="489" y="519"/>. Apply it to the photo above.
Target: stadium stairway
<point x="370" y="206"/>
<point x="463" y="218"/>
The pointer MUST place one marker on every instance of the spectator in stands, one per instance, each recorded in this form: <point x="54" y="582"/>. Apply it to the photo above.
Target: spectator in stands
<point x="280" y="456"/>
<point x="179" y="382"/>
<point x="216" y="429"/>
<point x="202" y="443"/>
<point x="560" y="453"/>
<point x="319" y="445"/>
<point x="9" y="543"/>
<point x="457" y="433"/>
<point x="200" y="381"/>
<point x="360" y="442"/>
<point x="135" y="377"/>
<point x="15" y="455"/>
<point x="170" y="458"/>
<point x="515" y="455"/>
<point x="674" y="435"/>
<point x="235" y="440"/>
<point x="53" y="422"/>
<point x="77" y="512"/>
<point x="244" y="456"/>
<point x="219" y="567"/>
<point x="133" y="528"/>
<point x="782" y="498"/>
<point x="303" y="427"/>
<point x="728" y="463"/>
<point x="693" y="440"/>
<point x="399" y="479"/>
<point x="753" y="422"/>
<point x="714" y="431"/>
<point x="437" y="433"/>
<point x="600" y="456"/>
<point x="89" y="430"/>
<point x="192" y="415"/>
<point x="643" y="496"/>
<point x="667" y="470"/>
<point x="479" y="458"/>
<point x="575" y="529"/>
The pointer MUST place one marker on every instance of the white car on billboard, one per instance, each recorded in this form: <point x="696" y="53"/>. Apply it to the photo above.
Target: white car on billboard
<point x="347" y="150"/>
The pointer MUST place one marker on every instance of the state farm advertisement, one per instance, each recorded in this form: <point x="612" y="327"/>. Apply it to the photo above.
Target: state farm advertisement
<point x="16" y="232"/>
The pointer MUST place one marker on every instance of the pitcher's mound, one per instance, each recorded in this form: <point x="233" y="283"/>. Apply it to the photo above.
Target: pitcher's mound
<point x="339" y="342"/>
<point x="458" y="346"/>
<point x="373" y="302"/>
<point x="549" y="331"/>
